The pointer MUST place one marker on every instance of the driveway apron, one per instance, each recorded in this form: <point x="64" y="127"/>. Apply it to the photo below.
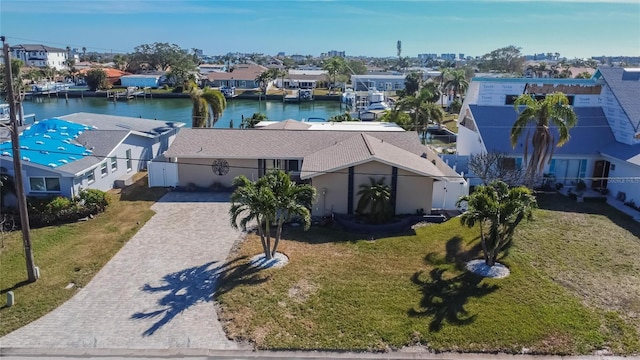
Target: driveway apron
<point x="156" y="292"/>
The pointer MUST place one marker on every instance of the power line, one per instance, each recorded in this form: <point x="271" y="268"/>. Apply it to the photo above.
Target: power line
<point x="106" y="157"/>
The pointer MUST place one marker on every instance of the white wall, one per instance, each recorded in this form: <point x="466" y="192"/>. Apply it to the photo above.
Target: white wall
<point x="624" y="178"/>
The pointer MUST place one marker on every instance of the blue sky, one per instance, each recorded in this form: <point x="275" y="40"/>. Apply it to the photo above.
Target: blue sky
<point x="359" y="27"/>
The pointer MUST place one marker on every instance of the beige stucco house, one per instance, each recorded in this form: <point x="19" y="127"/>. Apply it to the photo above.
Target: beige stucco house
<point x="336" y="163"/>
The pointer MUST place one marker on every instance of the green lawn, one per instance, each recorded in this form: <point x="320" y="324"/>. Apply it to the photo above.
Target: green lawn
<point x="70" y="253"/>
<point x="574" y="288"/>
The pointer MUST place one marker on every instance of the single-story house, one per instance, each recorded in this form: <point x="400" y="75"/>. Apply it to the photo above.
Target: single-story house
<point x="336" y="163"/>
<point x="302" y="79"/>
<point x="241" y="76"/>
<point x="63" y="155"/>
<point x="604" y="146"/>
<point x="113" y="75"/>
<point x="142" y="80"/>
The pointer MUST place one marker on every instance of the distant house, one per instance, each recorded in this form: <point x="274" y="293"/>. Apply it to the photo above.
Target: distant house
<point x="40" y="56"/>
<point x="241" y="76"/>
<point x="604" y="148"/>
<point x="382" y="82"/>
<point x="209" y="68"/>
<point x="142" y="80"/>
<point x="114" y="76"/>
<point x="63" y="155"/>
<point x="302" y="79"/>
<point x="335" y="162"/>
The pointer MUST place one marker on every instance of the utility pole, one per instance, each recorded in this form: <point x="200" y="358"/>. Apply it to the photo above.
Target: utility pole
<point x="32" y="275"/>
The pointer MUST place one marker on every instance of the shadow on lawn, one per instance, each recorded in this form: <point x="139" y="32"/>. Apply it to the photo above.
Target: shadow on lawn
<point x="444" y="298"/>
<point x="557" y="202"/>
<point x="194" y="285"/>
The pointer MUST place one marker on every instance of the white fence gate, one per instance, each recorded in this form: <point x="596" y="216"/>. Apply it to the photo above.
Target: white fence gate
<point x="163" y="174"/>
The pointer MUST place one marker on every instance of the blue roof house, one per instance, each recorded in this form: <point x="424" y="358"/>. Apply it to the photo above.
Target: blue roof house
<point x="61" y="156"/>
<point x="604" y="147"/>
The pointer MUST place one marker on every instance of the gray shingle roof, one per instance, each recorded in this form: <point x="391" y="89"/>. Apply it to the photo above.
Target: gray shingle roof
<point x="363" y="148"/>
<point x="288" y="124"/>
<point x="277" y="144"/>
<point x="330" y="149"/>
<point x="101" y="143"/>
<point x="144" y="127"/>
<point x="37" y="47"/>
<point x="625" y="86"/>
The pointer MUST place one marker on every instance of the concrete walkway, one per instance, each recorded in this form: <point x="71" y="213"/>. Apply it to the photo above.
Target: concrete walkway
<point x="156" y="292"/>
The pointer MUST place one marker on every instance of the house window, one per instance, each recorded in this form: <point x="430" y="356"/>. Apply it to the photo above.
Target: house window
<point x="103" y="169"/>
<point x="508" y="163"/>
<point x="243" y="84"/>
<point x="128" y="157"/>
<point x="114" y="163"/>
<point x="293" y="165"/>
<point x="44" y="184"/>
<point x="90" y="175"/>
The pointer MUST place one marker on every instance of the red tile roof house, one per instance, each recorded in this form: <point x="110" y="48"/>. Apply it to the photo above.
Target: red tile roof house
<point x="243" y="77"/>
<point x="336" y="163"/>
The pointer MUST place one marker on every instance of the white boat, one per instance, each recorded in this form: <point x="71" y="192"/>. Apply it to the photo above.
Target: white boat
<point x="376" y="100"/>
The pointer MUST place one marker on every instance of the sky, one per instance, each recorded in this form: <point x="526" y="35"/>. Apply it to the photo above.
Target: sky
<point x="574" y="28"/>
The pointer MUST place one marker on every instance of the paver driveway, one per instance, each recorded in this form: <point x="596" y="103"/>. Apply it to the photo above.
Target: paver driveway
<point x="156" y="292"/>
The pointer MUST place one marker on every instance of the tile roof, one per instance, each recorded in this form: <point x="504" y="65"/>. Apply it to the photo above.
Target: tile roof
<point x="111" y="73"/>
<point x="628" y="153"/>
<point x="363" y="148"/>
<point x="591" y="133"/>
<point x="625" y="85"/>
<point x="143" y="127"/>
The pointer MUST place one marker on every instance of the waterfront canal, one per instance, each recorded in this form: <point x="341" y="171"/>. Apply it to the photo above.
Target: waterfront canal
<point x="180" y="109"/>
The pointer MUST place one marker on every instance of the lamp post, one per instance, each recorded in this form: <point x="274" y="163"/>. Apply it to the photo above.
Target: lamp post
<point x="32" y="274"/>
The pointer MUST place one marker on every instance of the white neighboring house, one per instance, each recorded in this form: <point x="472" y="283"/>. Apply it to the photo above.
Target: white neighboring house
<point x="63" y="155"/>
<point x="604" y="148"/>
<point x="382" y="82"/>
<point x="141" y="80"/>
<point x="41" y="56"/>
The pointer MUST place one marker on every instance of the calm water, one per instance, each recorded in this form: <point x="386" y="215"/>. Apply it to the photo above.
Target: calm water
<point x="180" y="109"/>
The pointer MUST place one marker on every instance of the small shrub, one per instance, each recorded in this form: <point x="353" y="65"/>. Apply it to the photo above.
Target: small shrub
<point x="58" y="204"/>
<point x="94" y="199"/>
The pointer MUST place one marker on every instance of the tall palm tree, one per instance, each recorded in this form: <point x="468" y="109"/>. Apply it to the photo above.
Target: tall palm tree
<point x="208" y="106"/>
<point x="263" y="80"/>
<point x="375" y="201"/>
<point x="333" y="66"/>
<point x="84" y="53"/>
<point x="457" y="82"/>
<point x="553" y="109"/>
<point x="498" y="210"/>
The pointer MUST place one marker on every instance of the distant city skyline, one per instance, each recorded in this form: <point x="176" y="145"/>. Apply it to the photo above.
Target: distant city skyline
<point x="574" y="28"/>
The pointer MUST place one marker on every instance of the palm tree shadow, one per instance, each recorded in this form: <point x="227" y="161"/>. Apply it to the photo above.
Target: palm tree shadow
<point x="445" y="298"/>
<point x="188" y="287"/>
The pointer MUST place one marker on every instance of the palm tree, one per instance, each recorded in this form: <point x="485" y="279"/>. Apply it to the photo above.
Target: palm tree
<point x="274" y="198"/>
<point x="457" y="82"/>
<point x="554" y="109"/>
<point x="375" y="201"/>
<point x="84" y="53"/>
<point x="208" y="106"/>
<point x="333" y="66"/>
<point x="251" y="122"/>
<point x="263" y="80"/>
<point x="498" y="210"/>
<point x="251" y="202"/>
<point x="292" y="200"/>
<point x="423" y="108"/>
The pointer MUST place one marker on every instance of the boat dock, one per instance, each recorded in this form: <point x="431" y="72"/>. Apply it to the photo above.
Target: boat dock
<point x="298" y="95"/>
<point x="130" y="93"/>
